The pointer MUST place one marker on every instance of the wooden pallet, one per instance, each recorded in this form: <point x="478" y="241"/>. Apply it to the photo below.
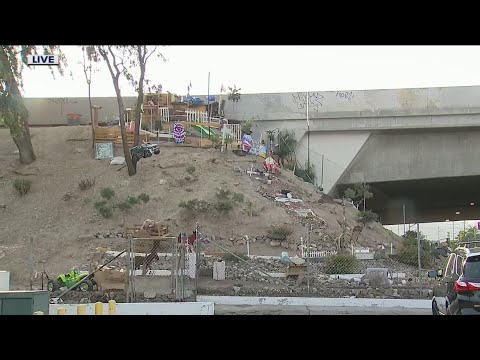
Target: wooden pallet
<point x="148" y="241"/>
<point x="114" y="135"/>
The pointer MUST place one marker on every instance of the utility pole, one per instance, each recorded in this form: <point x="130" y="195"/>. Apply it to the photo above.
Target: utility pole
<point x="308" y="132"/>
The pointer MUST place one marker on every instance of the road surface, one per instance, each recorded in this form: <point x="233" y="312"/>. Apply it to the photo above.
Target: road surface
<point x="314" y="310"/>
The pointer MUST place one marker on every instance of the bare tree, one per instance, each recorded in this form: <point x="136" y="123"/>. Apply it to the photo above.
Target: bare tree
<point x="141" y="53"/>
<point x="114" y="57"/>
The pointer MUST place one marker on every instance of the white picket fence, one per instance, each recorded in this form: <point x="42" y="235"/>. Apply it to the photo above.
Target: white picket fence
<point x="164" y="113"/>
<point x="234" y="130"/>
<point x="317" y="254"/>
<point x="200" y="117"/>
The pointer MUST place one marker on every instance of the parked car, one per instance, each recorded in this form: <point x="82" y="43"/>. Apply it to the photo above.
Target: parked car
<point x="144" y="151"/>
<point x="458" y="289"/>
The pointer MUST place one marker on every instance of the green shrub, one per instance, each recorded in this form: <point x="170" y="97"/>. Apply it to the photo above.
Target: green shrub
<point x="22" y="186"/>
<point x="367" y="216"/>
<point x="223" y="206"/>
<point x="105" y="211"/>
<point x="144" y="197"/>
<point x="194" y="205"/>
<point x="231" y="258"/>
<point x="87" y="183"/>
<point x="190" y="169"/>
<point x="132" y="200"/>
<point x="340" y="264"/>
<point x="238" y="197"/>
<point x="408" y="254"/>
<point x="107" y="193"/>
<point x="222" y="194"/>
<point x="307" y="174"/>
<point x="279" y="232"/>
<point x="350" y="193"/>
<point x="100" y="204"/>
<point x="124" y="206"/>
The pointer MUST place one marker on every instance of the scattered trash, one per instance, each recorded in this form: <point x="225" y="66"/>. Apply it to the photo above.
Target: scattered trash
<point x="305" y="212"/>
<point x="285" y="200"/>
<point x="118" y="161"/>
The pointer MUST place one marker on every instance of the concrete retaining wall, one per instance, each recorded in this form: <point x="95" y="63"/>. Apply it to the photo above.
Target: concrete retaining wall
<point x="301" y="301"/>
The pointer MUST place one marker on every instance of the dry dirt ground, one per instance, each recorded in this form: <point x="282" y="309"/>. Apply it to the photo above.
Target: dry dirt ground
<point x="60" y="219"/>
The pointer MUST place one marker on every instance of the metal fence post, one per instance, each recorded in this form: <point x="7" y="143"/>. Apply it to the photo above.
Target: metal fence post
<point x="197" y="259"/>
<point x="308" y="258"/>
<point x="419" y="261"/>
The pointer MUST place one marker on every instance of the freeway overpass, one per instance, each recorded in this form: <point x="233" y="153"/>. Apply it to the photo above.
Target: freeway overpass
<point x="416" y="147"/>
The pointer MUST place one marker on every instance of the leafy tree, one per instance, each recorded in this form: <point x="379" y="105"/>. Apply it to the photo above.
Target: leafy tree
<point x="358" y="193"/>
<point x="287" y="145"/>
<point x="470" y="234"/>
<point x="234" y="94"/>
<point x="120" y="60"/>
<point x="12" y="107"/>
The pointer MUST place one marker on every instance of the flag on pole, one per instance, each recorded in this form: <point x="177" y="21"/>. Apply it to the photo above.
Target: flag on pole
<point x="222" y="89"/>
<point x="189" y="86"/>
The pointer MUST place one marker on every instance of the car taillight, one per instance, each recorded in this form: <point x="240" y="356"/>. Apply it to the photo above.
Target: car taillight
<point x="462" y="286"/>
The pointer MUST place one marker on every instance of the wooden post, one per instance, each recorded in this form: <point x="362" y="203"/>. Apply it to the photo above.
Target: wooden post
<point x="94" y="122"/>
<point x="32" y="265"/>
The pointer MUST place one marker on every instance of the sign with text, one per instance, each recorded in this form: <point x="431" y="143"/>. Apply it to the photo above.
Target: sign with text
<point x="48" y="60"/>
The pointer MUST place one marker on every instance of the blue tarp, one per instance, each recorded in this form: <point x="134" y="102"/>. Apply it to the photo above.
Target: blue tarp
<point x="192" y="100"/>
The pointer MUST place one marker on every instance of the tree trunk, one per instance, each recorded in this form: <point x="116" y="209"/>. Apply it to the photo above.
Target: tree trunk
<point x="17" y="120"/>
<point x="138" y="109"/>
<point x="91" y="114"/>
<point x="24" y="144"/>
<point x="132" y="169"/>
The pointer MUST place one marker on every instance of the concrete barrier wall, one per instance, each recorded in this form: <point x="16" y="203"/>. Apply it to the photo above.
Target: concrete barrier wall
<point x="184" y="308"/>
<point x="301" y="301"/>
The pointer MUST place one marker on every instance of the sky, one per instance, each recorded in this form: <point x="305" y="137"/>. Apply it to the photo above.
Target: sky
<point x="264" y="69"/>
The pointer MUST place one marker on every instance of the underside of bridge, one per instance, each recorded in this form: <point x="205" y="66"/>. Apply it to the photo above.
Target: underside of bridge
<point x="425" y="200"/>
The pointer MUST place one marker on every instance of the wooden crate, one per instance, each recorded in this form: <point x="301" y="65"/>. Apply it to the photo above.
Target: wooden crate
<point x="113" y="135"/>
<point x="158" y="230"/>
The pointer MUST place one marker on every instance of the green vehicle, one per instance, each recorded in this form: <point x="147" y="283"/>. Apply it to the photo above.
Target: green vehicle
<point x="70" y="281"/>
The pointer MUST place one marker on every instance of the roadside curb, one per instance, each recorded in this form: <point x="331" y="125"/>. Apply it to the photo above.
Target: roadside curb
<point x="326" y="302"/>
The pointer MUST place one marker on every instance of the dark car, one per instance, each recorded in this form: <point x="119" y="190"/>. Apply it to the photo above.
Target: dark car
<point x="458" y="289"/>
<point x="144" y="151"/>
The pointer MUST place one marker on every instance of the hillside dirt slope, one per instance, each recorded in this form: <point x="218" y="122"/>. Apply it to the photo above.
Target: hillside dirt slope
<point x="61" y="220"/>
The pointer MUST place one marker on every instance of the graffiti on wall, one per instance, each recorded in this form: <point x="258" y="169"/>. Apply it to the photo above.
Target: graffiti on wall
<point x="62" y="101"/>
<point x="348" y="95"/>
<point x="268" y="100"/>
<point x="315" y="101"/>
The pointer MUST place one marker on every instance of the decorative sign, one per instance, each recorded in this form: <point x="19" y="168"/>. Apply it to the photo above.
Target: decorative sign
<point x="179" y="132"/>
<point x="103" y="151"/>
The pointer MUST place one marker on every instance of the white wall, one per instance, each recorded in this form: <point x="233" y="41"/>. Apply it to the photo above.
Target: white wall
<point x="339" y="150"/>
<point x="302" y="301"/>
<point x="184" y="308"/>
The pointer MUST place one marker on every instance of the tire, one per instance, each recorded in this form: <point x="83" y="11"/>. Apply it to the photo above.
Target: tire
<point x="147" y="154"/>
<point x="156" y="152"/>
<point x="53" y="285"/>
<point x="135" y="157"/>
<point x="85" y="286"/>
<point x="434" y="308"/>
